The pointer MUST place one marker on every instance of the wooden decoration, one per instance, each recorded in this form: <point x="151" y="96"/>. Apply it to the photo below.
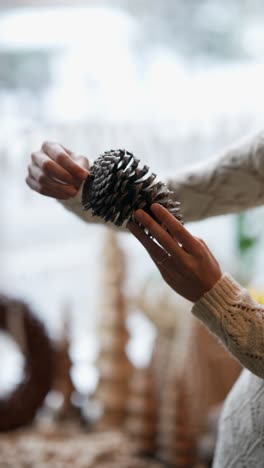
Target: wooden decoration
<point x="209" y="373"/>
<point x="141" y="423"/>
<point x="170" y="315"/>
<point x="62" y="381"/>
<point x="113" y="364"/>
<point x="159" y="361"/>
<point x="200" y="375"/>
<point x="69" y="448"/>
<point x="175" y="442"/>
<point x="175" y="439"/>
<point x="20" y="407"/>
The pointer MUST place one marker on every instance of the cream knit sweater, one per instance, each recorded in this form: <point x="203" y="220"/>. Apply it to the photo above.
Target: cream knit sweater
<point x="230" y="182"/>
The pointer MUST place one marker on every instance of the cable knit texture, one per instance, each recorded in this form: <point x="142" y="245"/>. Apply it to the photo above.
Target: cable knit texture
<point x="230" y="313"/>
<point x="240" y="441"/>
<point x="228" y="183"/>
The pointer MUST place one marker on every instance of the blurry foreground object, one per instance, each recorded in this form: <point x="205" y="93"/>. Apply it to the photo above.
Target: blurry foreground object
<point x="201" y="382"/>
<point x="142" y="407"/>
<point x="20" y="406"/>
<point x="175" y="443"/>
<point x="257" y="294"/>
<point x="62" y="380"/>
<point x="116" y="187"/>
<point x="193" y="374"/>
<point x="113" y="364"/>
<point x="248" y="228"/>
<point x="63" y="449"/>
<point x="170" y="315"/>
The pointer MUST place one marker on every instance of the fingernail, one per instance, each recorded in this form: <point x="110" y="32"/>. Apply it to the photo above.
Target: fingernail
<point x="155" y="207"/>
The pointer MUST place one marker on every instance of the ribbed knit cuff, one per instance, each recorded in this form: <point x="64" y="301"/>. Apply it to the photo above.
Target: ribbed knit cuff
<point x="74" y="205"/>
<point x="216" y="302"/>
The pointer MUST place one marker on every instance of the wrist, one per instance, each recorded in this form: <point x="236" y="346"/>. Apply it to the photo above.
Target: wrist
<point x="211" y="282"/>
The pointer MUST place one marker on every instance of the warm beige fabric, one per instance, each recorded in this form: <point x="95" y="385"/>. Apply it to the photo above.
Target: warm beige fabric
<point x="230" y="182"/>
<point x="231" y="314"/>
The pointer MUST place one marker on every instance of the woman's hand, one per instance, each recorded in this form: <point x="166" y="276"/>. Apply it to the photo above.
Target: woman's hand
<point x="185" y="262"/>
<point x="56" y="172"/>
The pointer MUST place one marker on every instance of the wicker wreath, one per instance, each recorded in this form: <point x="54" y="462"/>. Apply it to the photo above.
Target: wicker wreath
<point x="19" y="407"/>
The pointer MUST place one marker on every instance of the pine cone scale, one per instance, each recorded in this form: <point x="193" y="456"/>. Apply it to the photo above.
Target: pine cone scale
<point x="117" y="187"/>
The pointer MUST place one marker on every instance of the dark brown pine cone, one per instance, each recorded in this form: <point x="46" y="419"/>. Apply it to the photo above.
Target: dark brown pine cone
<point x="117" y="187"/>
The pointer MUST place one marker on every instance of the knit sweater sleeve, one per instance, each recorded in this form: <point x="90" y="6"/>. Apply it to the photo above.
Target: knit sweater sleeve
<point x="230" y="182"/>
<point x="229" y="312"/>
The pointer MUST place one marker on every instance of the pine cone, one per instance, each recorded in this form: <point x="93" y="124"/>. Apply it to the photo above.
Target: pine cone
<point x="117" y="187"/>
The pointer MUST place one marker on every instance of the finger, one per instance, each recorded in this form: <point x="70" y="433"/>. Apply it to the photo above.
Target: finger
<point x="201" y="241"/>
<point x="81" y="161"/>
<point x="170" y="271"/>
<point x="44" y="181"/>
<point x="84" y="162"/>
<point x="175" y="228"/>
<point x="50" y="167"/>
<point x="34" y="185"/>
<point x="61" y="157"/>
<point x="71" y="153"/>
<point x="163" y="237"/>
<point x="155" y="251"/>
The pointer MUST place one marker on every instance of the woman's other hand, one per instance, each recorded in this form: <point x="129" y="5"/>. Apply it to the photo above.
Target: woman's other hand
<point x="184" y="261"/>
<point x="56" y="172"/>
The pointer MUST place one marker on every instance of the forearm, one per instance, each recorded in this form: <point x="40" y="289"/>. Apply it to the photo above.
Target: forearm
<point x="230" y="182"/>
<point x="229" y="312"/>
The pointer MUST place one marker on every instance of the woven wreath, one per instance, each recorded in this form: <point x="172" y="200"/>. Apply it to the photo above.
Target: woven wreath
<point x="19" y="407"/>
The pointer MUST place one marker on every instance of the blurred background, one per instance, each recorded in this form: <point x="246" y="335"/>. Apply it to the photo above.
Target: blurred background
<point x="174" y="82"/>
